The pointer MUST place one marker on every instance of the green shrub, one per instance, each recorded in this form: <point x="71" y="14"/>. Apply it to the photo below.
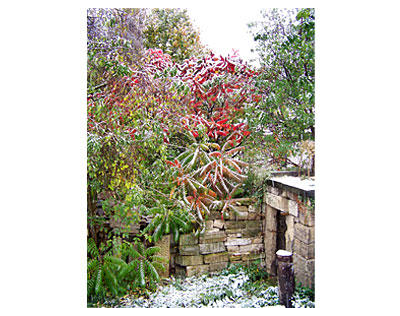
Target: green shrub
<point x="123" y="267"/>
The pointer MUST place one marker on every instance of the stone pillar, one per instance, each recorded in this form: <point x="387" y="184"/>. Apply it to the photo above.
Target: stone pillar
<point x="298" y="230"/>
<point x="270" y="238"/>
<point x="286" y="282"/>
<point x="164" y="244"/>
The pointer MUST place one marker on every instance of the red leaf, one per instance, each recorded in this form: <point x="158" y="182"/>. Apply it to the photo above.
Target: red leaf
<point x="170" y="163"/>
<point x="195" y="134"/>
<point x="177" y="163"/>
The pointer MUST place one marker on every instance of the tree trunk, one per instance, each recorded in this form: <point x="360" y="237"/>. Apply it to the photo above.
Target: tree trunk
<point x="91" y="207"/>
<point x="286" y="280"/>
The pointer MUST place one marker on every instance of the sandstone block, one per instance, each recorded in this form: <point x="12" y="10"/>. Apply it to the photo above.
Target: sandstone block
<point x="237" y="241"/>
<point x="241" y="208"/>
<point x="209" y="224"/>
<point x="304" y="233"/>
<point x="289" y="234"/>
<point x="189" y="250"/>
<point x="241" y="216"/>
<point x="212" y="248"/>
<point x="277" y="202"/>
<point x="189" y="260"/>
<point x="292" y="208"/>
<point x="246" y="201"/>
<point x="217" y="223"/>
<point x="304" y="270"/>
<point x="218" y="266"/>
<point x="253" y="216"/>
<point x="212" y="236"/>
<point x="306" y="251"/>
<point x="291" y="196"/>
<point x="251" y="209"/>
<point x="214" y="215"/>
<point x="251" y="248"/>
<point x="254" y="224"/>
<point x="234" y="235"/>
<point x="216" y="257"/>
<point x="235" y="225"/>
<point x="188" y="239"/>
<point x="164" y="244"/>
<point x="196" y="270"/>
<point x="232" y="248"/>
<point x="270" y="250"/>
<point x="273" y="190"/>
<point x="256" y="256"/>
<point x="253" y="228"/>
<point x="257" y="240"/>
<point x="306" y="216"/>
<point x="238" y="256"/>
<point x="270" y="218"/>
<point x="180" y="271"/>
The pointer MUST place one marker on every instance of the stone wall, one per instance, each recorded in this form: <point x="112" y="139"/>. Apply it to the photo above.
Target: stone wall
<point x="299" y="235"/>
<point x="238" y="238"/>
<point x="255" y="233"/>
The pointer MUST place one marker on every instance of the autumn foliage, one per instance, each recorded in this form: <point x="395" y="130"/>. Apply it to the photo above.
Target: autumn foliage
<point x="182" y="121"/>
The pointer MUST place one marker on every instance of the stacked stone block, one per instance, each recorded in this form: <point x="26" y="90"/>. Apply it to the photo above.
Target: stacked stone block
<point x="237" y="238"/>
<point x="299" y="234"/>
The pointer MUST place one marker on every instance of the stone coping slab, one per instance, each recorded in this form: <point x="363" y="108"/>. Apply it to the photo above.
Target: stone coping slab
<point x="294" y="184"/>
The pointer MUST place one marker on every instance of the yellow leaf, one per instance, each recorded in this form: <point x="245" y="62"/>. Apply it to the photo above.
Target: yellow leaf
<point x="172" y="193"/>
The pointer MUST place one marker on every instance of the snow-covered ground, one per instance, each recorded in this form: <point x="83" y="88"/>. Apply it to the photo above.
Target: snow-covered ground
<point x="221" y="290"/>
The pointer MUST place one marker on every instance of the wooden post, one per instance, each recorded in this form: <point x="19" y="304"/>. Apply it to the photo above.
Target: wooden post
<point x="286" y="281"/>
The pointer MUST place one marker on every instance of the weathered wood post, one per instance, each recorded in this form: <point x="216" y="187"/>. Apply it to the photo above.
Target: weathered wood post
<point x="286" y="283"/>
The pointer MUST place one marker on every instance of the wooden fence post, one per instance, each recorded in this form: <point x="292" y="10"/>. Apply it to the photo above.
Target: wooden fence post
<point x="286" y="282"/>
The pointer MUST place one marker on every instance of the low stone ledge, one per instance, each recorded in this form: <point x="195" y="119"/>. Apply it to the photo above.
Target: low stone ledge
<point x="233" y="238"/>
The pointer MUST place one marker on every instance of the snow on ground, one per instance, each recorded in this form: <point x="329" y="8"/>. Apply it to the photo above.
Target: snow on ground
<point x="221" y="290"/>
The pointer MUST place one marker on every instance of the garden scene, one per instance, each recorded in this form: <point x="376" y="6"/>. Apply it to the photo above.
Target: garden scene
<point x="200" y="167"/>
